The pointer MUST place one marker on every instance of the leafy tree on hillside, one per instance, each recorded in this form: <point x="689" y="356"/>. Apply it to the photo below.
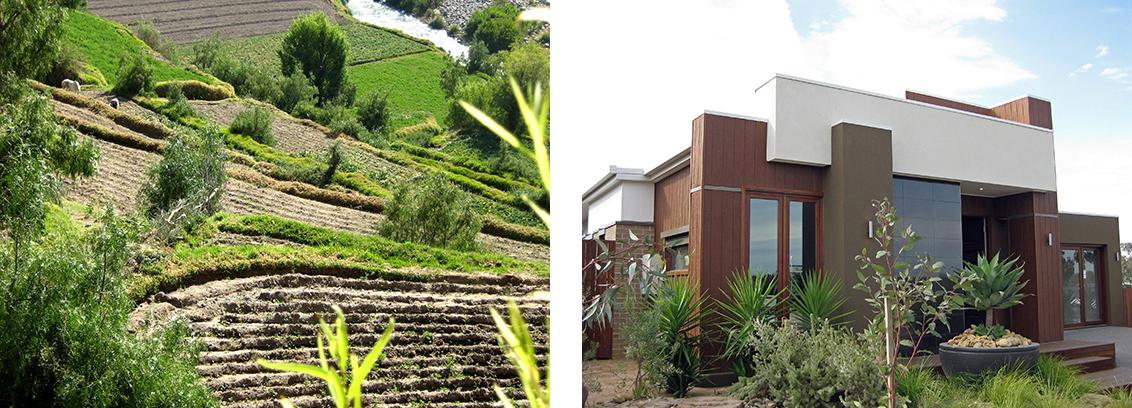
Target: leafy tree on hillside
<point x="35" y="153"/>
<point x="186" y="185"/>
<point x="497" y="26"/>
<point x="431" y="211"/>
<point x="29" y="34"/>
<point x="316" y="47"/>
<point x="1126" y="262"/>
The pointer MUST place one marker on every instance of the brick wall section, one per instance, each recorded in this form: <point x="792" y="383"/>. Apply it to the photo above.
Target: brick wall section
<point x="620" y="232"/>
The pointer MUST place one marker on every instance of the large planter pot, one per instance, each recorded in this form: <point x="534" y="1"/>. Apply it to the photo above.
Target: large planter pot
<point x="968" y="360"/>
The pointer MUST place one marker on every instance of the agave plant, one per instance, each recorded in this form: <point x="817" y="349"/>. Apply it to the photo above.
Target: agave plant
<point x="345" y="378"/>
<point x="750" y="301"/>
<point x="994" y="285"/>
<point x="815" y="296"/>
<point x="681" y="310"/>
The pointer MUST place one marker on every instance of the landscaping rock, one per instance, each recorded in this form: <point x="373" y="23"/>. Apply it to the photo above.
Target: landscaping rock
<point x="1094" y="401"/>
<point x="970" y="339"/>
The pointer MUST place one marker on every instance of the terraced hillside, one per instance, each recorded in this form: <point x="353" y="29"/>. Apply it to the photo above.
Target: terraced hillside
<point x="443" y="353"/>
<point x="192" y="20"/>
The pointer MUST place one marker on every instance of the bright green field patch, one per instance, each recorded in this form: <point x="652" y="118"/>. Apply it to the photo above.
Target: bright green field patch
<point x="413" y="83"/>
<point x="102" y="42"/>
<point x="367" y="44"/>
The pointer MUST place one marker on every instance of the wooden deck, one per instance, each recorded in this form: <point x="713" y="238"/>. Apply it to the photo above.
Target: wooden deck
<point x="1097" y="361"/>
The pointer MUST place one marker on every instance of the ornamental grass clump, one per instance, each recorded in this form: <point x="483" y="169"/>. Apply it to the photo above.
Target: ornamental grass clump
<point x="750" y="301"/>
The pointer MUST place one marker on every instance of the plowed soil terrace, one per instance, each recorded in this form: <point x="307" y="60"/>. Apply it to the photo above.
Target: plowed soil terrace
<point x="192" y="20"/>
<point x="444" y="350"/>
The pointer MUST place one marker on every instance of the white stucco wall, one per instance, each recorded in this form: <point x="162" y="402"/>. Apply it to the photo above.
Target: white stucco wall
<point x="622" y="201"/>
<point x="927" y="141"/>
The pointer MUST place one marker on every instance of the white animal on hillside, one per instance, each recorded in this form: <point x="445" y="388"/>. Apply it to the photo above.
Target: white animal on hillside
<point x="114" y="103"/>
<point x="71" y="85"/>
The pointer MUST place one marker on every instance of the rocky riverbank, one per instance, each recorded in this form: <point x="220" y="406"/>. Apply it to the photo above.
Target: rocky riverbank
<point x="459" y="11"/>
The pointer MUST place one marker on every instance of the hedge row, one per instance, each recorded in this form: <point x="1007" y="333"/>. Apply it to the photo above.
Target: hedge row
<point x="198" y="90"/>
<point x="465" y="182"/>
<point x="497" y="227"/>
<point x="304" y="190"/>
<point x="113" y="136"/>
<point x="466" y="167"/>
<point x="279" y="158"/>
<point x="135" y="123"/>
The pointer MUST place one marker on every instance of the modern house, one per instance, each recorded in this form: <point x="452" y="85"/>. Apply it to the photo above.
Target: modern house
<point x="791" y="193"/>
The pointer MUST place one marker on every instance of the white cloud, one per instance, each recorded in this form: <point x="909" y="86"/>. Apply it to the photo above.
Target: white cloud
<point x="1102" y="50"/>
<point x="1088" y="175"/>
<point x="1084" y="68"/>
<point x="645" y="72"/>
<point x="1116" y="74"/>
<point x="890" y="46"/>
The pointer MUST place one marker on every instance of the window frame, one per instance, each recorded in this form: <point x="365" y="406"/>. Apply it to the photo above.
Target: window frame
<point x="784" y="198"/>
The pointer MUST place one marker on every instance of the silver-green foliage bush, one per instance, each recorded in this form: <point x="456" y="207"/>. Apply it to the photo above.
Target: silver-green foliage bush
<point x="431" y="211"/>
<point x="822" y="367"/>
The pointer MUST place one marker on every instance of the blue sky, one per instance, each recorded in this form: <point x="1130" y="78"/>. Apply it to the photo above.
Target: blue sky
<point x="668" y="62"/>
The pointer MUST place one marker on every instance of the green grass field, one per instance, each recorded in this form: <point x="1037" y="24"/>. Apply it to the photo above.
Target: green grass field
<point x="413" y="83"/>
<point x="102" y="42"/>
<point x="367" y="44"/>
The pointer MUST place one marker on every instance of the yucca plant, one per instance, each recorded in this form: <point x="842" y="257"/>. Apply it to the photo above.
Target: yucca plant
<point x="345" y="378"/>
<point x="520" y="350"/>
<point x="751" y="300"/>
<point x="816" y="296"/>
<point x="680" y="309"/>
<point x="994" y="285"/>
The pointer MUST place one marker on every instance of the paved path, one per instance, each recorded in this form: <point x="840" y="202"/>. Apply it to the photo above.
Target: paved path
<point x="1121" y="336"/>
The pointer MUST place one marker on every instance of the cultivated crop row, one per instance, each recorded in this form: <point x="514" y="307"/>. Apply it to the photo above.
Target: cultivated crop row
<point x="192" y="20"/>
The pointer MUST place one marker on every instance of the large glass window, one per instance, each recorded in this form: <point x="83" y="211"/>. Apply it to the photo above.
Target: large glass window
<point x="763" y="230"/>
<point x="1070" y="286"/>
<point x="782" y="238"/>
<point x="934" y="210"/>
<point x="1081" y="286"/>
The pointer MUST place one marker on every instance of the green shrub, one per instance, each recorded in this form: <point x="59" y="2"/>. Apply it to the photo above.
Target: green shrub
<point x="227" y="69"/>
<point x="496" y="26"/>
<point x="261" y="84"/>
<point x="254" y="122"/>
<point x="651" y="352"/>
<point x="749" y="301"/>
<point x="478" y="55"/>
<point x="821" y="367"/>
<point x="296" y="89"/>
<point x="206" y="52"/>
<point x="431" y="211"/>
<point x="151" y="37"/>
<point x="414" y="7"/>
<point x="71" y="64"/>
<point x="186" y="185"/>
<point x="333" y="160"/>
<point x="814" y="297"/>
<point x="196" y="90"/>
<point x="178" y="106"/>
<point x="64" y="338"/>
<point x="134" y="75"/>
<point x="317" y="48"/>
<point x="344" y="123"/>
<point x="680" y="308"/>
<point x="373" y="112"/>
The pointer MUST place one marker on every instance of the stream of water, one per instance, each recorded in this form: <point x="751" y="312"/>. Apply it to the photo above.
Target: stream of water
<point x="381" y="15"/>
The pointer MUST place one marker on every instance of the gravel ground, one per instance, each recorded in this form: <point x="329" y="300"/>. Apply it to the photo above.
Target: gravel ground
<point x="459" y="11"/>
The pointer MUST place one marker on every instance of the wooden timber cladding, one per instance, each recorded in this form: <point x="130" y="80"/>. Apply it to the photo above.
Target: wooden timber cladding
<point x="672" y="201"/>
<point x="1028" y="110"/>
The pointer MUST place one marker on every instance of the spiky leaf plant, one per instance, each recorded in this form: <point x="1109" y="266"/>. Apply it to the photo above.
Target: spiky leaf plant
<point x="520" y="350"/>
<point x="816" y="296"/>
<point x="681" y="309"/>
<point x="751" y="300"/>
<point x="995" y="284"/>
<point x="345" y="379"/>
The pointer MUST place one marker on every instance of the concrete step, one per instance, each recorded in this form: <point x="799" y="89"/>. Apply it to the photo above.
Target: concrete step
<point x="1119" y="377"/>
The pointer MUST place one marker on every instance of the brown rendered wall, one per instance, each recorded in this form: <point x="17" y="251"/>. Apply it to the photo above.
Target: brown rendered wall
<point x="1031" y="217"/>
<point x="1088" y="230"/>
<point x="672" y="202"/>
<point x="728" y="159"/>
<point x="860" y="171"/>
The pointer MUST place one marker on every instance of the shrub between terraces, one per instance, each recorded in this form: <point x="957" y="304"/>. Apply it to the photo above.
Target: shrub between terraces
<point x="433" y="212"/>
<point x="256" y="123"/>
<point x="186" y="185"/>
<point x="134" y="75"/>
